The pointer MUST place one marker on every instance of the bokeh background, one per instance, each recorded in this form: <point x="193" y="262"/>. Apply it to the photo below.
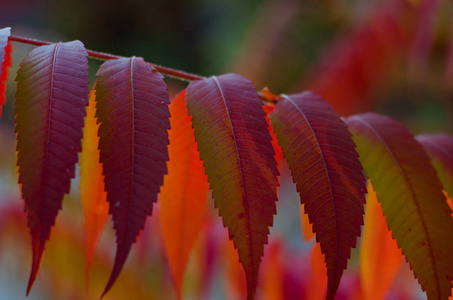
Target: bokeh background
<point x="393" y="57"/>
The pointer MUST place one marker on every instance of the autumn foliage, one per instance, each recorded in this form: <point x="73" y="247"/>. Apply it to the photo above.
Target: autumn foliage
<point x="221" y="138"/>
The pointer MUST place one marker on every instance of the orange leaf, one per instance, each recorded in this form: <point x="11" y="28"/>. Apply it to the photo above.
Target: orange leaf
<point x="317" y="286"/>
<point x="92" y="193"/>
<point x="185" y="191"/>
<point x="278" y="151"/>
<point x="236" y="281"/>
<point x="307" y="230"/>
<point x="380" y="257"/>
<point x="272" y="272"/>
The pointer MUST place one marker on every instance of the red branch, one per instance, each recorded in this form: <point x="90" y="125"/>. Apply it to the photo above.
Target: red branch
<point x="105" y="56"/>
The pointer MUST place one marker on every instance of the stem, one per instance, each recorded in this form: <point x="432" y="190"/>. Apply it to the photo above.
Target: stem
<point x="105" y="56"/>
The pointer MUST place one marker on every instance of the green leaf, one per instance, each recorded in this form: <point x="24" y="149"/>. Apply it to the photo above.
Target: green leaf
<point x="411" y="198"/>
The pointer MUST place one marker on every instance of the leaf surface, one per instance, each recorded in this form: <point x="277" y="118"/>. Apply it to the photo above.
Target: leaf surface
<point x="439" y="148"/>
<point x="132" y="107"/>
<point x="92" y="193"/>
<point x="52" y="89"/>
<point x="184" y="194"/>
<point x="5" y="62"/>
<point x="327" y="173"/>
<point x="380" y="257"/>
<point x="411" y="198"/>
<point x="235" y="146"/>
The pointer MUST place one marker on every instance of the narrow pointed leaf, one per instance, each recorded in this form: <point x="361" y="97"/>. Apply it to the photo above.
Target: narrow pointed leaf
<point x="5" y="63"/>
<point x="52" y="89"/>
<point x="92" y="193"/>
<point x="328" y="175"/>
<point x="439" y="148"/>
<point x="411" y="198"/>
<point x="132" y="107"/>
<point x="238" y="157"/>
<point x="184" y="194"/>
<point x="380" y="257"/>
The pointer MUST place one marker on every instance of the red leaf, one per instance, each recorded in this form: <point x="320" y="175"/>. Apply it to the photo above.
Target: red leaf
<point x="238" y="157"/>
<point x="411" y="198"/>
<point x="185" y="191"/>
<point x="358" y="64"/>
<point x="328" y="175"/>
<point x="92" y="193"/>
<point x="132" y="107"/>
<point x="5" y="62"/>
<point x="439" y="147"/>
<point x="52" y="89"/>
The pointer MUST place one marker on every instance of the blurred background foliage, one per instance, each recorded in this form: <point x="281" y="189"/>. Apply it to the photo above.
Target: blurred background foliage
<point x="394" y="57"/>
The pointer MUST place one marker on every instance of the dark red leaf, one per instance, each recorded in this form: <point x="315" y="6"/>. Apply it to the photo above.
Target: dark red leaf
<point x="52" y="89"/>
<point x="132" y="107"/>
<point x="325" y="167"/>
<point x="5" y="62"/>
<point x="235" y="146"/>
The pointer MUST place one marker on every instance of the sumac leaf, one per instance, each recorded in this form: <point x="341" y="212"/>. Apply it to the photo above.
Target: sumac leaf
<point x="184" y="194"/>
<point x="411" y="198"/>
<point x="235" y="146"/>
<point x="92" y="193"/>
<point x="52" y="89"/>
<point x="439" y="148"/>
<point x="5" y="63"/>
<point x="132" y="107"/>
<point x="380" y="257"/>
<point x="327" y="173"/>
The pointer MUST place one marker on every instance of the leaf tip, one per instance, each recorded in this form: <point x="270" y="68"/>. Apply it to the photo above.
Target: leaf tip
<point x="38" y="250"/>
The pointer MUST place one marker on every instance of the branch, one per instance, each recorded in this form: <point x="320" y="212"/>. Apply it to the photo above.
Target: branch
<point x="105" y="56"/>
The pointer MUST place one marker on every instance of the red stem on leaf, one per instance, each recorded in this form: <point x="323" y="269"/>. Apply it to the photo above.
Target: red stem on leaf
<point x="105" y="56"/>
